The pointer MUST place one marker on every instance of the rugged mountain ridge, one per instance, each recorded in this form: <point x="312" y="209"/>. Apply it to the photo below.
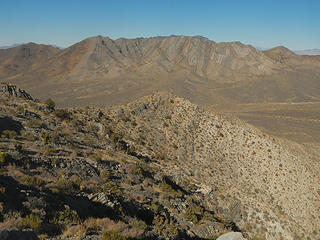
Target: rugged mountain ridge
<point x="258" y="171"/>
<point x="163" y="166"/>
<point x="99" y="71"/>
<point x="23" y="58"/>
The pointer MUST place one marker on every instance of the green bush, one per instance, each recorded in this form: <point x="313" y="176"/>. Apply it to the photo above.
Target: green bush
<point x="164" y="226"/>
<point x="167" y="188"/>
<point x="49" y="151"/>
<point x="46" y="137"/>
<point x="95" y="157"/>
<point x="50" y="104"/>
<point x="31" y="181"/>
<point x="32" y="221"/>
<point x="112" y="235"/>
<point x="3" y="157"/>
<point x="191" y="215"/>
<point x="69" y="185"/>
<point x="66" y="216"/>
<point x="8" y="134"/>
<point x="62" y="114"/>
<point x="111" y="187"/>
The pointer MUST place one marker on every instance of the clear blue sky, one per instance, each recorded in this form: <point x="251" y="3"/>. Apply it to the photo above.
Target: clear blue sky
<point x="264" y="23"/>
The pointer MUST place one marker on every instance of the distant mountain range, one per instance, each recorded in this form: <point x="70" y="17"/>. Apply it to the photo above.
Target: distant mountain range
<point x="315" y="51"/>
<point x="100" y="71"/>
<point x="11" y="46"/>
<point x="18" y="44"/>
<point x="310" y="52"/>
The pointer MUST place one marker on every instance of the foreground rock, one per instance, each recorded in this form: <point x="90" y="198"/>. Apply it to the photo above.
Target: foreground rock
<point x="231" y="236"/>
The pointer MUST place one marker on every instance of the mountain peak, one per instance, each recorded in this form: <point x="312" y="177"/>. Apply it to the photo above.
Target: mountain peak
<point x="280" y="49"/>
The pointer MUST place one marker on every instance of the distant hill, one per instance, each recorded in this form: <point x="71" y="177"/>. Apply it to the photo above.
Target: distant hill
<point x="23" y="58"/>
<point x="11" y="46"/>
<point x="308" y="52"/>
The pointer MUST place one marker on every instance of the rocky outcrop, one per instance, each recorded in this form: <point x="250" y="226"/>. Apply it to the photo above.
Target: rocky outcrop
<point x="14" y="91"/>
<point x="231" y="236"/>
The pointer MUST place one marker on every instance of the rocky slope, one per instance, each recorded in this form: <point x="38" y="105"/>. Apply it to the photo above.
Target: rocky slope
<point x="101" y="71"/>
<point x="159" y="167"/>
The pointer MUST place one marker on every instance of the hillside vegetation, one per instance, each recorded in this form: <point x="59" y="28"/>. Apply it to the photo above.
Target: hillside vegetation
<point x="156" y="168"/>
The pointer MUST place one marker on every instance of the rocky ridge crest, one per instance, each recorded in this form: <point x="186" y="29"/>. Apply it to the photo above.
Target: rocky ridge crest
<point x="159" y="167"/>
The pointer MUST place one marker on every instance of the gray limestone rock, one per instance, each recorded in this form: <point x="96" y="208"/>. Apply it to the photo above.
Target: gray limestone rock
<point x="231" y="236"/>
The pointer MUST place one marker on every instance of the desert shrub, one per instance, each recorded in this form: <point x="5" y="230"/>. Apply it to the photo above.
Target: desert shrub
<point x="207" y="216"/>
<point x="66" y="216"/>
<point x="31" y="181"/>
<point x="32" y="221"/>
<point x="36" y="123"/>
<point x="105" y="174"/>
<point x="92" y="224"/>
<point x="224" y="220"/>
<point x="112" y="235"/>
<point x="20" y="109"/>
<point x="138" y="224"/>
<point x="29" y="136"/>
<point x="11" y="220"/>
<point x="167" y="188"/>
<point x="116" y="136"/>
<point x="68" y="185"/>
<point x="50" y="104"/>
<point x="110" y="187"/>
<point x="74" y="232"/>
<point x="54" y="190"/>
<point x="95" y="157"/>
<point x="131" y="150"/>
<point x="91" y="127"/>
<point x="136" y="170"/>
<point x="3" y="157"/>
<point x="164" y="226"/>
<point x="8" y="134"/>
<point x="160" y="155"/>
<point x="62" y="114"/>
<point x="191" y="215"/>
<point x="193" y="211"/>
<point x="46" y="137"/>
<point x="125" y="118"/>
<point x="49" y="151"/>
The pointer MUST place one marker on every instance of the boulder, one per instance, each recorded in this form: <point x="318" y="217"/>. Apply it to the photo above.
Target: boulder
<point x="231" y="236"/>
